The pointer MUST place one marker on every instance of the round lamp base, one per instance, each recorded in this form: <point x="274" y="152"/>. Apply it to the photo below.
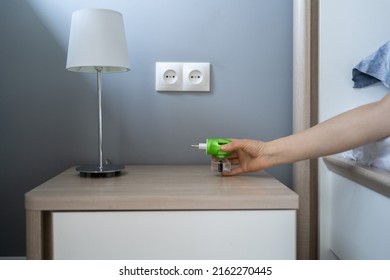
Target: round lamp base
<point x="94" y="170"/>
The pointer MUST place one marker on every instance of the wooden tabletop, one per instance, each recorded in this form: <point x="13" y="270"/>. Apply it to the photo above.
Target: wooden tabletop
<point x="184" y="187"/>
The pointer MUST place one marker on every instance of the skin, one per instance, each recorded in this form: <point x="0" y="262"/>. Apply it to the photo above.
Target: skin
<point x="343" y="132"/>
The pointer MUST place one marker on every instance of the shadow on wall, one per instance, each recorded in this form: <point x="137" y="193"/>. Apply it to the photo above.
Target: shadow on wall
<point x="41" y="116"/>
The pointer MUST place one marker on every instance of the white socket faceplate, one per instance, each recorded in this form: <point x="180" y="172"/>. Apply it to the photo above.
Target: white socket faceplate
<point x="196" y="76"/>
<point x="169" y="76"/>
<point x="182" y="76"/>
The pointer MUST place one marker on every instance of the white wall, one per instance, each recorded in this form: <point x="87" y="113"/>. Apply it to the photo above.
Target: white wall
<point x="350" y="30"/>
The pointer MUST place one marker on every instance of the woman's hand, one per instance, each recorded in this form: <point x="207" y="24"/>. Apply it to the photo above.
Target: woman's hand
<point x="249" y="155"/>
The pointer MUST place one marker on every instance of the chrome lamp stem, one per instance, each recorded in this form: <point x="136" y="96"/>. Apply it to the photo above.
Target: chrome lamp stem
<point x="102" y="169"/>
<point x="100" y="129"/>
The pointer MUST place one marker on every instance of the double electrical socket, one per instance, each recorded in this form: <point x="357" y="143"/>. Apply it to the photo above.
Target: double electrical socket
<point x="182" y="76"/>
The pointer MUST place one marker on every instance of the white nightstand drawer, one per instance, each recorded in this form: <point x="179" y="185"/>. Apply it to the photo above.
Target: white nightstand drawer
<point x="231" y="234"/>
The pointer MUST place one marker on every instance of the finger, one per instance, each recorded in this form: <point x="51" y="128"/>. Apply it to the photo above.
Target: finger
<point x="234" y="161"/>
<point x="233" y="172"/>
<point x="233" y="155"/>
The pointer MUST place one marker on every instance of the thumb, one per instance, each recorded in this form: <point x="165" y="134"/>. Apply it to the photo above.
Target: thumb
<point x="234" y="145"/>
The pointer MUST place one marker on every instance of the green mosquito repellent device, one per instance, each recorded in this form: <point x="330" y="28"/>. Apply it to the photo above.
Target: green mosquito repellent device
<point x="212" y="146"/>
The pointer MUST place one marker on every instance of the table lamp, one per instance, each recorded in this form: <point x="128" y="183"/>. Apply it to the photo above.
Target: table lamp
<point x="97" y="44"/>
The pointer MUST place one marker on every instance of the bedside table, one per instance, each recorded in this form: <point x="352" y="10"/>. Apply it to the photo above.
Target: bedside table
<point x="161" y="212"/>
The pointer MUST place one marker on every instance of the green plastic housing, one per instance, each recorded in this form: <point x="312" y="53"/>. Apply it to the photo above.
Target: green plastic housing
<point x="214" y="147"/>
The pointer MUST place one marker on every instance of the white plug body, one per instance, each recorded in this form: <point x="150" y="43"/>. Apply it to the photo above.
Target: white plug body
<point x="201" y="146"/>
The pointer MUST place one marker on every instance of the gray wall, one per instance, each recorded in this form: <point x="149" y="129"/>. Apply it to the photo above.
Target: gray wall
<point x="48" y="115"/>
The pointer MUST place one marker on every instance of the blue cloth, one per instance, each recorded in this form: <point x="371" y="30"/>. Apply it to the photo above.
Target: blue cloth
<point x="375" y="68"/>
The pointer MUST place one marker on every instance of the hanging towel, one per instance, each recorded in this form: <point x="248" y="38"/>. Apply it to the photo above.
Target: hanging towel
<point x="376" y="154"/>
<point x="375" y="68"/>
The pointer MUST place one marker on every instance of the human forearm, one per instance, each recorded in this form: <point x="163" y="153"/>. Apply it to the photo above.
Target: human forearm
<point x="345" y="131"/>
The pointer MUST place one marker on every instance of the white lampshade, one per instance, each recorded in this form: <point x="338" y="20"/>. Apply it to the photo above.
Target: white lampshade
<point x="97" y="39"/>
